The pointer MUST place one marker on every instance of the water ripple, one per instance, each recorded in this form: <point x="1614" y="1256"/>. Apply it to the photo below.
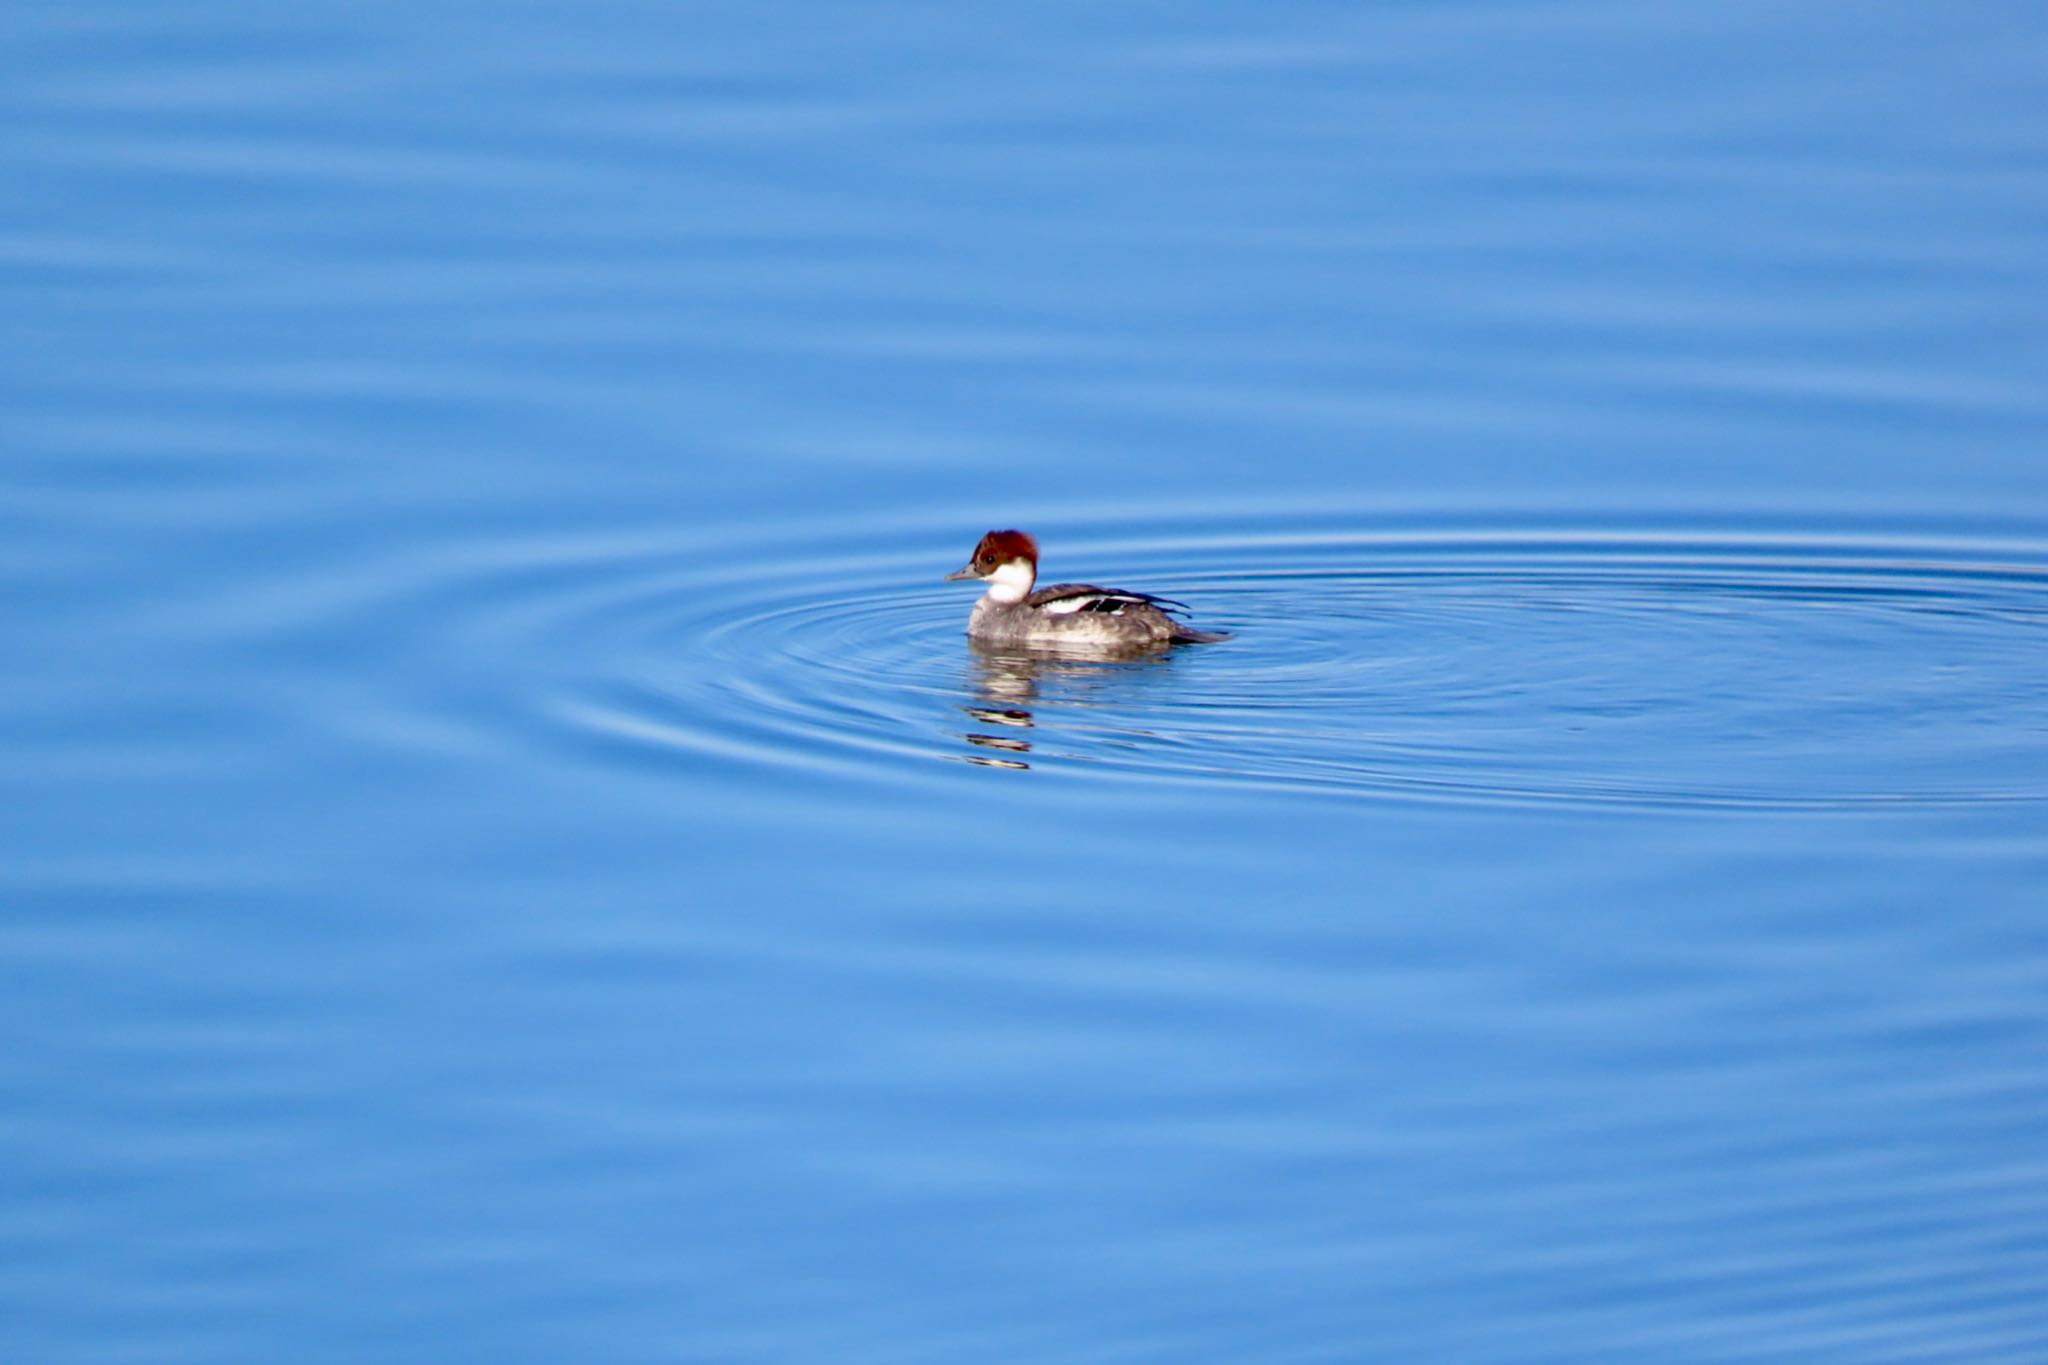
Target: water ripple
<point x="1743" y="672"/>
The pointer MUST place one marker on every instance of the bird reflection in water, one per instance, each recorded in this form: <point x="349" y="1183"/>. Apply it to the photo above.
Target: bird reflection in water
<point x="1008" y="681"/>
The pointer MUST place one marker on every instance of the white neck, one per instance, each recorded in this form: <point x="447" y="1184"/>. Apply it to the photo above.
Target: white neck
<point x="1011" y="582"/>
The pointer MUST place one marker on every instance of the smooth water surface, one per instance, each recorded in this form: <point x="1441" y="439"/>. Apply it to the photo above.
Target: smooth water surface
<point x="509" y="855"/>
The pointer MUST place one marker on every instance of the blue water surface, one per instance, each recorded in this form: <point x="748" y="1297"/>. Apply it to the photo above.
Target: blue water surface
<point x="509" y="855"/>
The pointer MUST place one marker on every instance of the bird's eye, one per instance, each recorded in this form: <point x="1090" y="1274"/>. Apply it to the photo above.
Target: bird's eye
<point x="988" y="559"/>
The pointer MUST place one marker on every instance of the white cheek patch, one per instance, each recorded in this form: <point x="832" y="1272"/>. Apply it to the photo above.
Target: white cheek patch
<point x="1011" y="582"/>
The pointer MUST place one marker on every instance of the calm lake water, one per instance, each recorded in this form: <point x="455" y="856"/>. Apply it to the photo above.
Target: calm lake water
<point x="510" y="857"/>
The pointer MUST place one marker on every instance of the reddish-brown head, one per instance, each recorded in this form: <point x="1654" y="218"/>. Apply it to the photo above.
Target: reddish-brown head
<point x="1000" y="547"/>
<point x="1008" y="557"/>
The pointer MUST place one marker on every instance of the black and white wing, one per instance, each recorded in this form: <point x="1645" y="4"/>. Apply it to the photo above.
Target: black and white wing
<point x="1063" y="599"/>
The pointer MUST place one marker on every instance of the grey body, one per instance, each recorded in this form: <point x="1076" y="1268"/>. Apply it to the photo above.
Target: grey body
<point x="1083" y="616"/>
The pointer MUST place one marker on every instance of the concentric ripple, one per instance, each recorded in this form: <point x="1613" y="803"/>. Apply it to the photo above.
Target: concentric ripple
<point x="1764" y="672"/>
